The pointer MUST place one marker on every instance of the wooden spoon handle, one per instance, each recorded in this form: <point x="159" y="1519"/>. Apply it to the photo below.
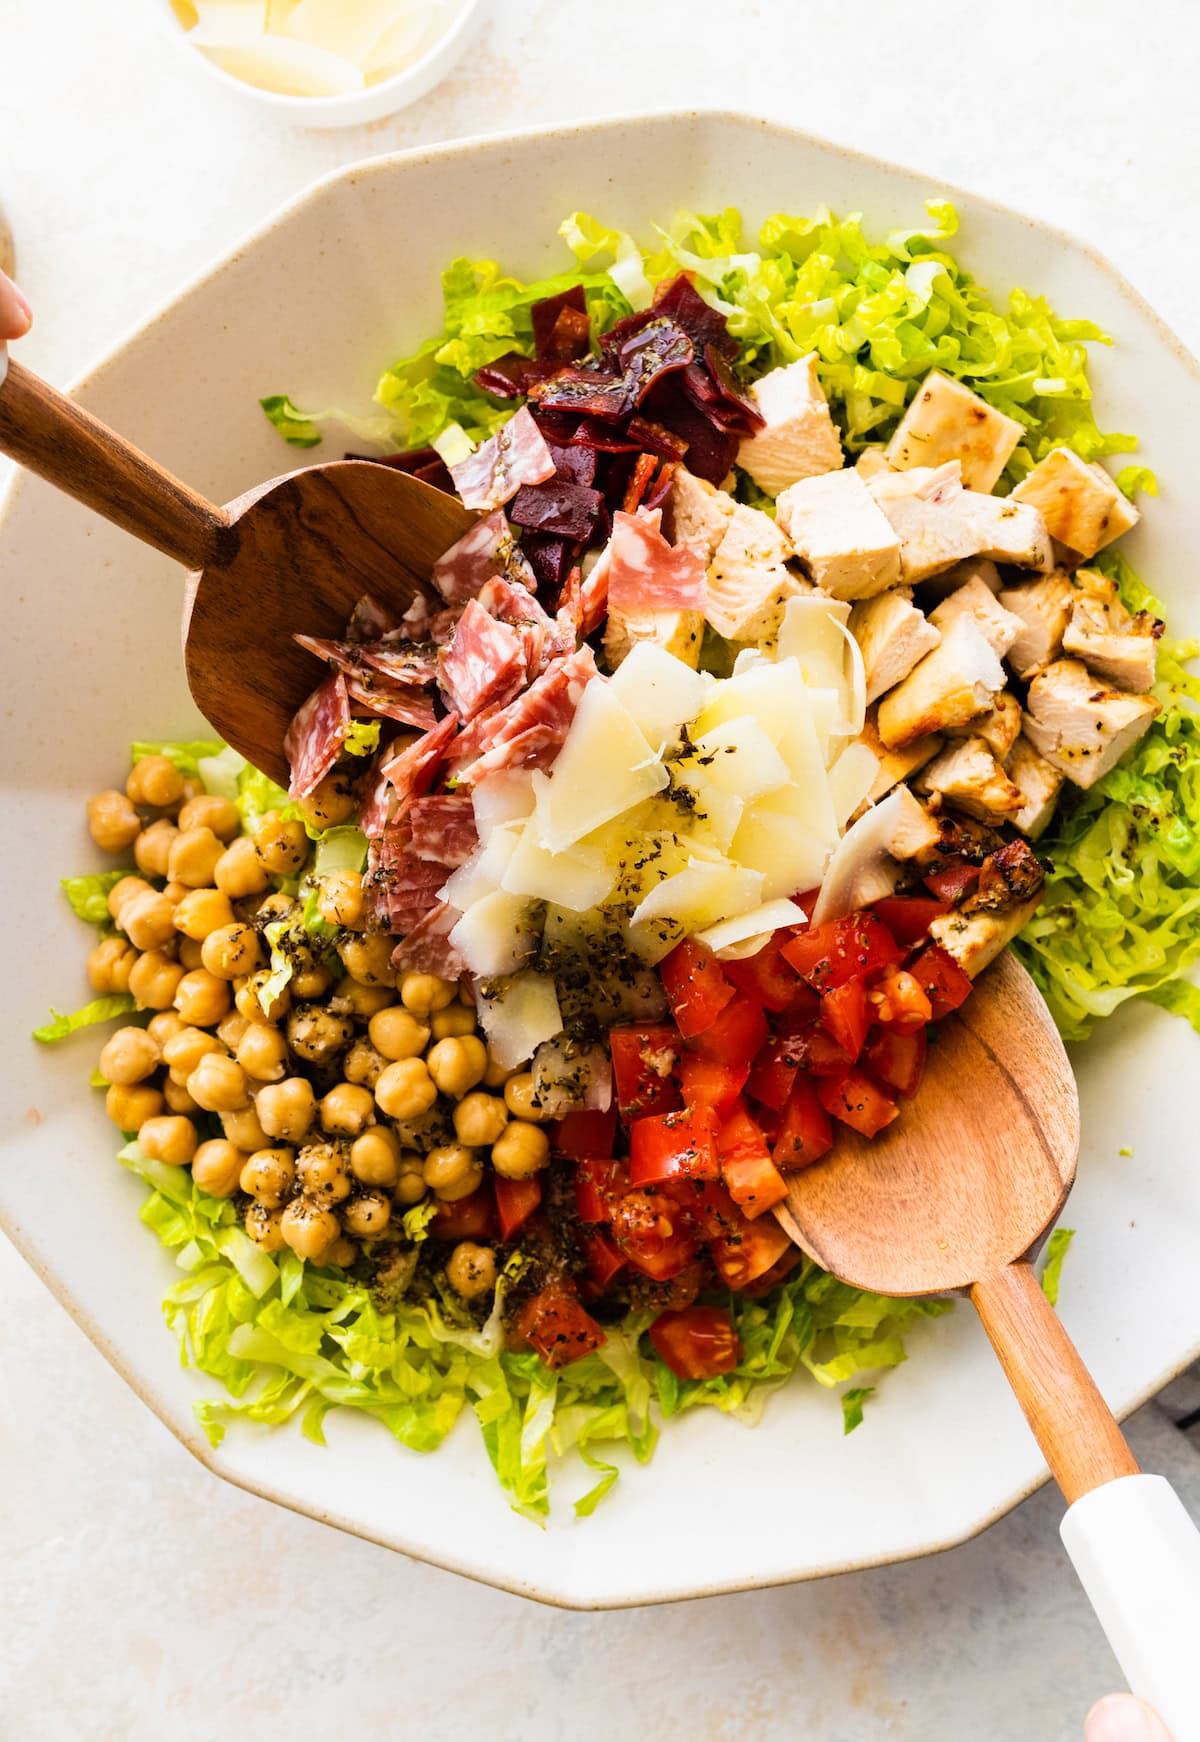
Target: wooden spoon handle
<point x="1074" y="1426"/>
<point x="43" y="430"/>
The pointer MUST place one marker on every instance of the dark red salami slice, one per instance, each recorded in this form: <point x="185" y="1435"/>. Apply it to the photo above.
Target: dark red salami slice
<point x="314" y="738"/>
<point x="443" y="827"/>
<point x="547" y="706"/>
<point x="400" y="888"/>
<point x="484" y="663"/>
<point x="475" y="558"/>
<point x="375" y="796"/>
<point x="645" y="573"/>
<point x="413" y="770"/>
<point x="411" y="707"/>
<point x="427" y="948"/>
<point x="517" y="454"/>
<point x="369" y="620"/>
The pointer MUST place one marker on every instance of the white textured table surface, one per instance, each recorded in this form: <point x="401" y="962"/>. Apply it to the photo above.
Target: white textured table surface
<point x="142" y="1599"/>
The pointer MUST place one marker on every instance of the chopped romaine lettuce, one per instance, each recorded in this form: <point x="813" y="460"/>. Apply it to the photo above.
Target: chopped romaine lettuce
<point x="88" y="895"/>
<point x="297" y="430"/>
<point x="852" y="1406"/>
<point x="99" y="1010"/>
<point x="1056" y="1251"/>
<point x="342" y="848"/>
<point x="185" y="755"/>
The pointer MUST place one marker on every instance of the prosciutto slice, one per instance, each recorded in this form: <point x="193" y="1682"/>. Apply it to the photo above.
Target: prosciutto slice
<point x="443" y="827"/>
<point x="485" y="662"/>
<point x="315" y="737"/>
<point x="517" y="454"/>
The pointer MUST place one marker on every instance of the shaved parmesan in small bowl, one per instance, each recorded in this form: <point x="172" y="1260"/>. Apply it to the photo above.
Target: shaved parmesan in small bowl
<point x="327" y="63"/>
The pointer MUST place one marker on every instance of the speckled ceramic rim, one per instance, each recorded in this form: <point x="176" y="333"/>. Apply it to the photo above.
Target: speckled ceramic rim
<point x="193" y="1439"/>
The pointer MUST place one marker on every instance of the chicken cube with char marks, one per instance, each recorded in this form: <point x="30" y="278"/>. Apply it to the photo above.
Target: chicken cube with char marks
<point x="1079" y="724"/>
<point x="698" y="512"/>
<point x="946" y="421"/>
<point x="1114" y="643"/>
<point x="949" y="687"/>
<point x="999" y="728"/>
<point x="1009" y="891"/>
<point x="892" y="636"/>
<point x="871" y="462"/>
<point x="939" y="524"/>
<point x="974" y="599"/>
<point x="1039" y="784"/>
<point x="678" y="632"/>
<point x="972" y="568"/>
<point x="895" y="765"/>
<point x="1044" y="607"/>
<point x="749" y="582"/>
<point x="800" y="439"/>
<point x="1079" y="502"/>
<point x="839" y="532"/>
<point x="968" y="776"/>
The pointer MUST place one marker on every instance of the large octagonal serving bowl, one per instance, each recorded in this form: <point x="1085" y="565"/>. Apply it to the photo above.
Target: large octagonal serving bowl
<point x="315" y="303"/>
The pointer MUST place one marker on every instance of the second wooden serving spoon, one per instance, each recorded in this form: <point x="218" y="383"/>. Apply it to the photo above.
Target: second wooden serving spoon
<point x="955" y="1198"/>
<point x="293" y="554"/>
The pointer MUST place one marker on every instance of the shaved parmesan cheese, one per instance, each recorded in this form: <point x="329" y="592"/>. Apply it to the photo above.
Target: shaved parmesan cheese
<point x="483" y="873"/>
<point x="788" y="854"/>
<point x="227" y="22"/>
<point x="690" y="900"/>
<point x="856" y="686"/>
<point x="518" y="1016"/>
<point x="746" y="935"/>
<point x="862" y="869"/>
<point x="564" y="1078"/>
<point x="659" y="691"/>
<point x="809" y="635"/>
<point x="606" y="766"/>
<point x="851" y="779"/>
<point x="352" y="28"/>
<point x="578" y="878"/>
<point x="744" y="760"/>
<point x="495" y="935"/>
<point x="315" y="48"/>
<point x="293" y="69"/>
<point x="776" y="696"/>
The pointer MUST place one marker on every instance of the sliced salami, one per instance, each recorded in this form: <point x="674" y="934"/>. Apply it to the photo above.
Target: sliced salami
<point x="547" y="706"/>
<point x="517" y="454"/>
<point x="645" y="573"/>
<point x="427" y="948"/>
<point x="413" y="770"/>
<point x="400" y="888"/>
<point x="478" y="555"/>
<point x="443" y="827"/>
<point x="369" y="620"/>
<point x="375" y="796"/>
<point x="314" y="738"/>
<point x="410" y="663"/>
<point x="514" y="604"/>
<point x="484" y="663"/>
<point x="411" y="707"/>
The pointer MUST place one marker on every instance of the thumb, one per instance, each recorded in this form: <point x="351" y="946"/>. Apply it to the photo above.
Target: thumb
<point x="16" y="317"/>
<point x="1121" y="1718"/>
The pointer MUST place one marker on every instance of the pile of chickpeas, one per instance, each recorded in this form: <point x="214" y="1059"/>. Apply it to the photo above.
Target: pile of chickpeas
<point x="342" y="1100"/>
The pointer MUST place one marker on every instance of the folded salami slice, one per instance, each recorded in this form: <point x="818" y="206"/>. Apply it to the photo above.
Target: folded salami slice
<point x="645" y="573"/>
<point x="315" y="737"/>
<point x="517" y="454"/>
<point x="443" y="827"/>
<point x="427" y="948"/>
<point x="484" y="663"/>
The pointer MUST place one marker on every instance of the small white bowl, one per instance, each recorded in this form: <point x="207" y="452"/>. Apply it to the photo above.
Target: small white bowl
<point x="356" y="107"/>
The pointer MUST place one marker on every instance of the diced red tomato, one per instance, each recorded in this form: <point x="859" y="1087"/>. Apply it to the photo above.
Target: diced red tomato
<point x="896" y="1058"/>
<point x="673" y="1146"/>
<point x="851" y="948"/>
<point x="603" y="1260"/>
<point x="754" y="1182"/>
<point x="736" y="1035"/>
<point x="765" y="977"/>
<point x="740" y="1134"/>
<point x="857" y="1102"/>
<point x="953" y="883"/>
<point x="748" y="1250"/>
<point x="770" y="1278"/>
<point x="706" y="1207"/>
<point x="557" y="1326"/>
<point x="774" y="1073"/>
<point x="516" y="1200"/>
<point x="598" y="1181"/>
<point x="471" y="1218"/>
<point x="807" y="901"/>
<point x="941" y="979"/>
<point x="652" y="1230"/>
<point x="805" y="1131"/>
<point x="909" y="917"/>
<point x="818" y="1053"/>
<point x="643" y="1057"/>
<point x="847" y="1016"/>
<point x="803" y="1006"/>
<point x="695" y="984"/>
<point x="585" y="1133"/>
<point x="898" y="1001"/>
<point x="710" y="1082"/>
<point x="698" y="1343"/>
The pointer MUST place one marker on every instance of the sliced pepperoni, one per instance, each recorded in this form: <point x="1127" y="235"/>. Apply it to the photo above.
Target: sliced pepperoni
<point x="517" y="454"/>
<point x="314" y="738"/>
<point x="484" y="663"/>
<point x="443" y="827"/>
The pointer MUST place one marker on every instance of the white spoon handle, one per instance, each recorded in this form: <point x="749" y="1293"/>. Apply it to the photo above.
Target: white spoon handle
<point x="1137" y="1553"/>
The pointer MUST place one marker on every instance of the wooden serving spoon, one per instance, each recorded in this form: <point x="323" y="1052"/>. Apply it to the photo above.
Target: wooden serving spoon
<point x="295" y="553"/>
<point x="955" y="1198"/>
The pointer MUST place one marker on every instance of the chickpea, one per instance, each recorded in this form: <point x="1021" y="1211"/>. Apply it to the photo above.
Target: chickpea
<point x="318" y="1035"/>
<point x="367" y="1216"/>
<point x="110" y="965"/>
<point x="268" y="1175"/>
<point x="237" y="872"/>
<point x="154" y="780"/>
<point x="521" y="1150"/>
<point x="164" y="1027"/>
<point x="129" y="1056"/>
<point x="129" y="1106"/>
<point x="405" y="1089"/>
<point x="153" y="979"/>
<point x="207" y="811"/>
<point x="340" y="899"/>
<point x="479" y="1119"/>
<point x="232" y="951"/>
<point x="454" y="1020"/>
<point x="311" y="982"/>
<point x="148" y="921"/>
<point x="350" y="998"/>
<point x="174" y="892"/>
<point x="217" y="1167"/>
<point x="190" y="955"/>
<point x="194" y="857"/>
<point x="123" y="890"/>
<point x="169" y="1138"/>
<point x="242" y="1127"/>
<point x="309" y="1228"/>
<point x="453" y="1172"/>
<point x="202" y="999"/>
<point x="457" y="1064"/>
<point x="202" y="911"/>
<point x="424" y="993"/>
<point x="343" y="1252"/>
<point x="286" y="1109"/>
<point x="177" y="1098"/>
<point x="375" y="1157"/>
<point x="230" y="1030"/>
<point x="182" y="1052"/>
<point x="218" y="1084"/>
<point x="396" y="1034"/>
<point x="496" y="1074"/>
<point x="265" y="1227"/>
<point x="322" y="1171"/>
<point x="362" y="1064"/>
<point x="369" y="958"/>
<point x="248" y="996"/>
<point x="261" y="1051"/>
<point x="112" y="821"/>
<point x="471" y="1270"/>
<point x="282" y="847"/>
<point x="520" y="1097"/>
<point x="410" y="1181"/>
<point x="268" y="908"/>
<point x="152" y="849"/>
<point x="330" y="802"/>
<point x="347" y="1110"/>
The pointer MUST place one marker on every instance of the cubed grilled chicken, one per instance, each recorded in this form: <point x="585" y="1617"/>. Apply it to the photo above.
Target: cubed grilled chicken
<point x="999" y="728"/>
<point x="1010" y="888"/>
<point x="893" y="635"/>
<point x="1080" y="503"/>
<point x="946" y="421"/>
<point x="895" y="765"/>
<point x="1044" y="607"/>
<point x="800" y="439"/>
<point x="1039" y="783"/>
<point x="973" y="599"/>
<point x="839" y="533"/>
<point x="914" y="832"/>
<point x="968" y="776"/>
<point x="699" y="513"/>
<point x="940" y="524"/>
<point x="1113" y="642"/>
<point x="1011" y="532"/>
<point x="974" y="568"/>
<point x="679" y="632"/>
<point x="871" y="462"/>
<point x="748" y="581"/>
<point x="950" y="686"/>
<point x="960" y="837"/>
<point x="1080" y="725"/>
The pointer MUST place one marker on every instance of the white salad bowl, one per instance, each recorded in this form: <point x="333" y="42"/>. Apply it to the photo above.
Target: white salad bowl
<point x="316" y="303"/>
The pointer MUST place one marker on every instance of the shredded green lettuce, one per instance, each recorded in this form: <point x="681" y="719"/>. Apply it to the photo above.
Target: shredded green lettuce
<point x="186" y="755"/>
<point x="297" y="430"/>
<point x="1056" y="1250"/>
<point x="853" y="1402"/>
<point x="88" y="894"/>
<point x="99" y="1010"/>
